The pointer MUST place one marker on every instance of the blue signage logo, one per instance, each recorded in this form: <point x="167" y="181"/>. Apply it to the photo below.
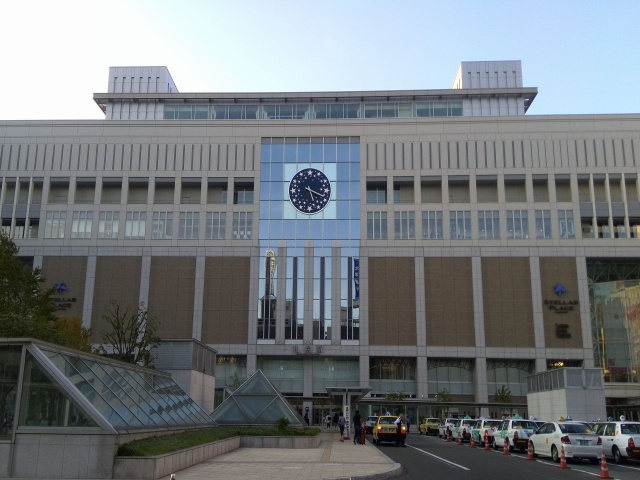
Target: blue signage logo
<point x="60" y="287"/>
<point x="559" y="289"/>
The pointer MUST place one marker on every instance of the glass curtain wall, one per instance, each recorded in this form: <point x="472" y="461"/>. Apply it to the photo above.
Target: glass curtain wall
<point x="614" y="291"/>
<point x="307" y="272"/>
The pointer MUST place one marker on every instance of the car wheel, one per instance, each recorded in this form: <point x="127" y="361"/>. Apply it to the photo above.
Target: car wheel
<point x="509" y="445"/>
<point x="593" y="461"/>
<point x="617" y="456"/>
<point x="554" y="454"/>
<point x="533" y="451"/>
<point x="495" y="445"/>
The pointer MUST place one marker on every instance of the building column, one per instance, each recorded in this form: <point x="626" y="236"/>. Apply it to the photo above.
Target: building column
<point x="422" y="388"/>
<point x="538" y="315"/>
<point x="198" y="297"/>
<point x="480" y="377"/>
<point x="585" y="313"/>
<point x="89" y="285"/>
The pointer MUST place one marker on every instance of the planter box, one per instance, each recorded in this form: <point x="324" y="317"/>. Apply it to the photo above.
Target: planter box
<point x="150" y="468"/>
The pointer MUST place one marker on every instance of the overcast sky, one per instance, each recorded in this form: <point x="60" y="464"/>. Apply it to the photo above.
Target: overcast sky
<point x="583" y="55"/>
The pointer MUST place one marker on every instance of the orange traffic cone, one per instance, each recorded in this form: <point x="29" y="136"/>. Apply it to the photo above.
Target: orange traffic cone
<point x="459" y="439"/>
<point x="472" y="444"/>
<point x="530" y="451"/>
<point x="448" y="436"/>
<point x="563" y="459"/>
<point x="505" y="447"/>
<point x="173" y="476"/>
<point x="486" y="443"/>
<point x="604" y="469"/>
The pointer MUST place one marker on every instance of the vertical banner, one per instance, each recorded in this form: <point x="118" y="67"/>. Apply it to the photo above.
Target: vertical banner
<point x="356" y="277"/>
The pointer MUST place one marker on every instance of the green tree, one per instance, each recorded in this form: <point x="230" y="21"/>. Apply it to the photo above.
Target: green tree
<point x="26" y="309"/>
<point x="395" y="396"/>
<point x="70" y="333"/>
<point x="131" y="335"/>
<point x="444" y="396"/>
<point x="503" y="395"/>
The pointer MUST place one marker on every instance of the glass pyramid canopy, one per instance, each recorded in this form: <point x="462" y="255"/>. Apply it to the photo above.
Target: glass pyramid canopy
<point x="66" y="388"/>
<point x="256" y="403"/>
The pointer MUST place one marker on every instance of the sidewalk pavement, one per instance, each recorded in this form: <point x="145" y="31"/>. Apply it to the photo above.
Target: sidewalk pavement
<point x="333" y="459"/>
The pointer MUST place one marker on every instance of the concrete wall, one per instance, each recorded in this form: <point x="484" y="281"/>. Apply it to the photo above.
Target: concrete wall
<point x="580" y="404"/>
<point x="63" y="456"/>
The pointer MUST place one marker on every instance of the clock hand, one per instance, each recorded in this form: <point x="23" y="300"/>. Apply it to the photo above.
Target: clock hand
<point x="313" y="191"/>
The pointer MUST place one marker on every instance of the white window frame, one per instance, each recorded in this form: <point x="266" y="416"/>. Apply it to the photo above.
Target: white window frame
<point x="108" y="224"/>
<point x="566" y="226"/>
<point x="135" y="227"/>
<point x="189" y="227"/>
<point x="81" y="224"/>
<point x="460" y="224"/>
<point x="376" y="225"/>
<point x="162" y="226"/>
<point x="242" y="227"/>
<point x="216" y="224"/>
<point x="517" y="224"/>
<point x="543" y="224"/>
<point x="55" y="224"/>
<point x="488" y="224"/>
<point x="432" y="225"/>
<point x="404" y="225"/>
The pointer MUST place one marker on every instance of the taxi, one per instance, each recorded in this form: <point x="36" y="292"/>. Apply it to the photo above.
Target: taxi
<point x="482" y="433"/>
<point x="515" y="433"/>
<point x="429" y="426"/>
<point x="620" y="440"/>
<point x="463" y="429"/>
<point x="385" y="430"/>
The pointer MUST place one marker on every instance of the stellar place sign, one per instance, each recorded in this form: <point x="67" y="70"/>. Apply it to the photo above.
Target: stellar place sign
<point x="561" y="305"/>
<point x="62" y="302"/>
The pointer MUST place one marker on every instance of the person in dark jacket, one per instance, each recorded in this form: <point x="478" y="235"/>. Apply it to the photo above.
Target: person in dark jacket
<point x="357" y="425"/>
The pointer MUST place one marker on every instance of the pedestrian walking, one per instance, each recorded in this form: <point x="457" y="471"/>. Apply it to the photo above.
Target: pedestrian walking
<point x="357" y="426"/>
<point x="408" y="424"/>
<point x="341" y="424"/>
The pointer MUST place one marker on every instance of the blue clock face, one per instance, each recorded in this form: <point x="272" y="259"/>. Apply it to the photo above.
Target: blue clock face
<point x="309" y="191"/>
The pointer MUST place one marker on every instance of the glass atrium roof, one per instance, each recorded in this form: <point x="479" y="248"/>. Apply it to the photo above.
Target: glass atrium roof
<point x="65" y="388"/>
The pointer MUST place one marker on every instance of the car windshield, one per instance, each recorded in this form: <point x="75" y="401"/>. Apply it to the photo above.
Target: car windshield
<point x="575" y="428"/>
<point x="372" y="419"/>
<point x="469" y="423"/>
<point x="524" y="424"/>
<point x="387" y="420"/>
<point x="491" y="423"/>
<point x="630" y="429"/>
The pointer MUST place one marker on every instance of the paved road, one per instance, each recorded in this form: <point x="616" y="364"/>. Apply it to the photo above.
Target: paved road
<point x="431" y="457"/>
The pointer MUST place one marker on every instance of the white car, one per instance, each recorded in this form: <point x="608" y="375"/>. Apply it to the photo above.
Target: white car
<point x="620" y="440"/>
<point x="447" y="426"/>
<point x="577" y="439"/>
<point x="515" y="433"/>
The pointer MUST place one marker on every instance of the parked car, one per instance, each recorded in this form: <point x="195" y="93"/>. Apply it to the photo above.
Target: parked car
<point x="515" y="432"/>
<point x="447" y="426"/>
<point x="483" y="431"/>
<point x="385" y="430"/>
<point x="577" y="439"/>
<point x="620" y="440"/>
<point x="429" y="426"/>
<point x="369" y="423"/>
<point x="463" y="429"/>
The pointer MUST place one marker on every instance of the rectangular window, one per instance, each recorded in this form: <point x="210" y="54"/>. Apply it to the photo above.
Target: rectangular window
<point x="81" y="224"/>
<point x="189" y="228"/>
<point x="243" y="195"/>
<point x="162" y="225"/>
<point x="432" y="225"/>
<point x="404" y="225"/>
<point x="543" y="223"/>
<point x="242" y="225"/>
<point x="565" y="224"/>
<point x="55" y="224"/>
<point x="376" y="225"/>
<point x="108" y="224"/>
<point x="517" y="224"/>
<point x="376" y="194"/>
<point x="135" y="226"/>
<point x="488" y="224"/>
<point x="460" y="224"/>
<point x="216" y="225"/>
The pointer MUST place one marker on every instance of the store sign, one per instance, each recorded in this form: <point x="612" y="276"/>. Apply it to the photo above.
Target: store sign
<point x="62" y="302"/>
<point x="560" y="304"/>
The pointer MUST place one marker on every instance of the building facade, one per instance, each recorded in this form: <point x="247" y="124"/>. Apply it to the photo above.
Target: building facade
<point x="392" y="241"/>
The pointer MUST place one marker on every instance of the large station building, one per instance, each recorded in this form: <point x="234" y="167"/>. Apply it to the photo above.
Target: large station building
<point x="370" y="242"/>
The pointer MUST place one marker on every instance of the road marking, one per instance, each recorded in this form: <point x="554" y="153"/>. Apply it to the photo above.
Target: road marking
<point x="440" y="458"/>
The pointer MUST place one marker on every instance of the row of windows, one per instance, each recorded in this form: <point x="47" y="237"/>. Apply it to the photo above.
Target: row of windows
<point x="321" y="111"/>
<point x="162" y="228"/>
<point x="404" y="225"/>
